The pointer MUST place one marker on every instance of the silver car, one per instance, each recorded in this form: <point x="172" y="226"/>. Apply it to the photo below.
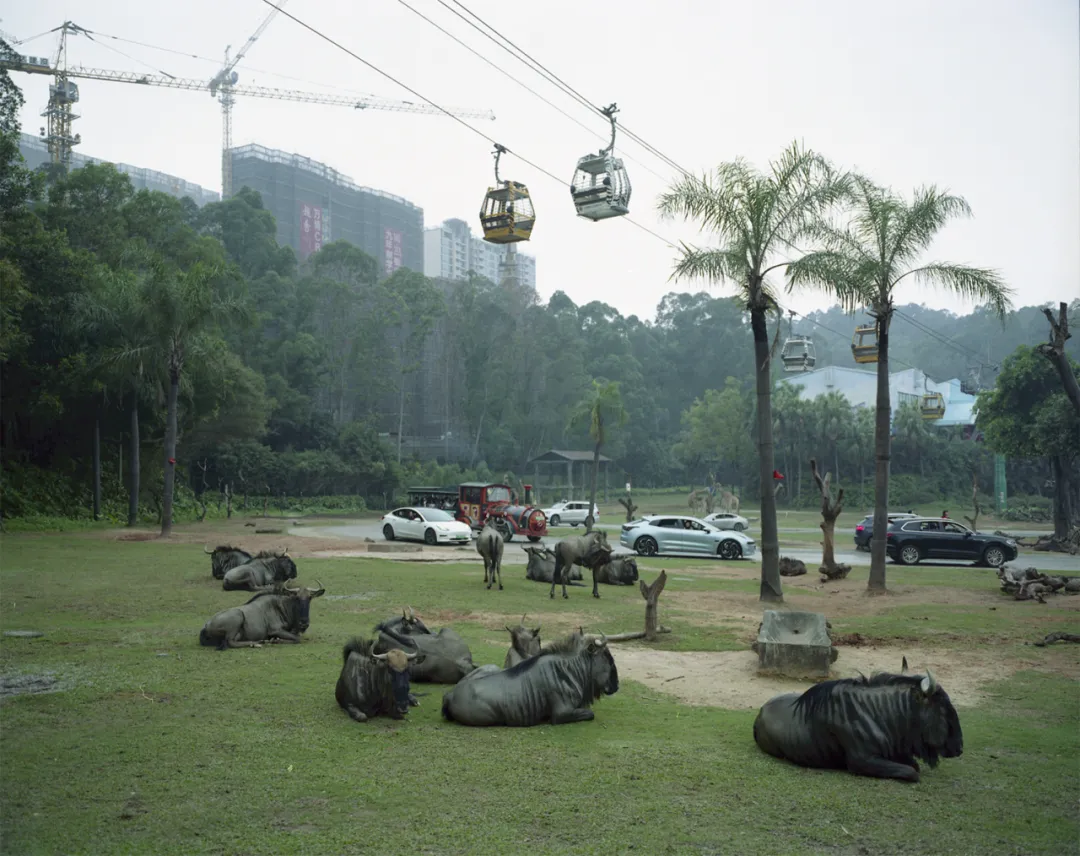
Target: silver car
<point x="671" y="533"/>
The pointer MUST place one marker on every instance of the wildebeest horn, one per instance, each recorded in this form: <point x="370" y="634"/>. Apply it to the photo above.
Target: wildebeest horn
<point x="290" y="588"/>
<point x="285" y="552"/>
<point x="602" y="641"/>
<point x="321" y="588"/>
<point x="928" y="684"/>
<point x="903" y="666"/>
<point x="412" y="656"/>
<point x="380" y="656"/>
<point x="208" y="552"/>
<point x="412" y="613"/>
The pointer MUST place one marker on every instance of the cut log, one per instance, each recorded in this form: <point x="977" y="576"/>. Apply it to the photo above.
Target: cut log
<point x="1031" y="584"/>
<point x="638" y="634"/>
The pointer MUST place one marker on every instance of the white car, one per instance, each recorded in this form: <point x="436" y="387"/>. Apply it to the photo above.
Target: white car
<point x="668" y="534"/>
<point x="572" y="513"/>
<point x="728" y="520"/>
<point x="430" y="525"/>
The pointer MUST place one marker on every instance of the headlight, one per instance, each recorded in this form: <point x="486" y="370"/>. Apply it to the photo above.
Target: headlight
<point x="1011" y="543"/>
<point x="442" y="527"/>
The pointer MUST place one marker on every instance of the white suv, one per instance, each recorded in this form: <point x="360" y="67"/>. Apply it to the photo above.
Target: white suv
<point x="573" y="513"/>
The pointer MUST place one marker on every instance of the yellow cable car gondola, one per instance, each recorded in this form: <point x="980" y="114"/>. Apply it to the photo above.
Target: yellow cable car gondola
<point x="932" y="405"/>
<point x="600" y="187"/>
<point x="864" y="344"/>
<point x="507" y="214"/>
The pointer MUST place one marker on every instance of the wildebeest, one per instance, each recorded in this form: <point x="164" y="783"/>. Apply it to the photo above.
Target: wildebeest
<point x="225" y="558"/>
<point x="263" y="571"/>
<point x="281" y="614"/>
<point x="409" y="623"/>
<point x="447" y="659"/>
<point x="541" y="566"/>
<point x="618" y="571"/>
<point x="374" y="684"/>
<point x="590" y="551"/>
<point x="557" y="686"/>
<point x="489" y="544"/>
<point x="875" y="726"/>
<point x="524" y="643"/>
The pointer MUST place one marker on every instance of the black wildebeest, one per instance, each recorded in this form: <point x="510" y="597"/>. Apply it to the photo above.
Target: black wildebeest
<point x="263" y="571"/>
<point x="489" y="544"/>
<point x="225" y="558"/>
<point x="875" y="726"/>
<point x="524" y="643"/>
<point x="557" y="686"/>
<point x="541" y="566"/>
<point x="590" y="551"/>
<point x="446" y="660"/>
<point x="409" y="623"/>
<point x="374" y="684"/>
<point x="619" y="571"/>
<point x="281" y="614"/>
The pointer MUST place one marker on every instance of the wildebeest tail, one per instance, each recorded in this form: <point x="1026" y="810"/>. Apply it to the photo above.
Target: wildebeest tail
<point x="447" y="715"/>
<point x="356" y="645"/>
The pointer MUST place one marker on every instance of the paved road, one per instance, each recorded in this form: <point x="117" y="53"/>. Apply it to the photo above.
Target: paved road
<point x="1055" y="562"/>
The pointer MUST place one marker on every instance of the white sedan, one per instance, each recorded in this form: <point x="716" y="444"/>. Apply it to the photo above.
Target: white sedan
<point x="430" y="525"/>
<point x="728" y="520"/>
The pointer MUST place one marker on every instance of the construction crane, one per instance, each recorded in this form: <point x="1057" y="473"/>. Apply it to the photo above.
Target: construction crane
<point x="64" y="93"/>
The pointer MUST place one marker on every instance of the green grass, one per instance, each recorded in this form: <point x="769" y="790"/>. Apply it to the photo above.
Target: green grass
<point x="163" y="747"/>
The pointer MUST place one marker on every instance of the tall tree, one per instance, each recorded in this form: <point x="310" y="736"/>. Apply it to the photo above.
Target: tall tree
<point x="756" y="216"/>
<point x="862" y="263"/>
<point x="601" y="410"/>
<point x="1054" y="350"/>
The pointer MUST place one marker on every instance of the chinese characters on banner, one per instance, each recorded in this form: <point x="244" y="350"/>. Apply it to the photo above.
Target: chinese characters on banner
<point x="392" y="244"/>
<point x="314" y="229"/>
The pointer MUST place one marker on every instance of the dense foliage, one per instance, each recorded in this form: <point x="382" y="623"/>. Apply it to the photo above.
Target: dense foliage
<point x="327" y="379"/>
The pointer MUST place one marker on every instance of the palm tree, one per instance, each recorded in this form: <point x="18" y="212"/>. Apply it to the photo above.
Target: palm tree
<point x="862" y="263"/>
<point x="755" y="215"/>
<point x="601" y="409"/>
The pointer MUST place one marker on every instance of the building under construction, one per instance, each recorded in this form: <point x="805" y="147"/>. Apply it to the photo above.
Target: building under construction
<point x="314" y="204"/>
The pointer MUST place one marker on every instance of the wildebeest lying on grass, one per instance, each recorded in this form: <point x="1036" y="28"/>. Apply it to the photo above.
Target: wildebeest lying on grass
<point x="409" y="623"/>
<point x="556" y="686"/>
<point x="875" y="726"/>
<point x="374" y="684"/>
<point x="225" y="558"/>
<point x="618" y="571"/>
<point x="490" y="544"/>
<point x="447" y="659"/>
<point x="590" y="551"/>
<point x="265" y="570"/>
<point x="541" y="566"/>
<point x="524" y="643"/>
<point x="281" y="614"/>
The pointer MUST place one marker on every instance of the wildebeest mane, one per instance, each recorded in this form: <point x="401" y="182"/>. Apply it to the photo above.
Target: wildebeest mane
<point x="226" y="548"/>
<point x="568" y="645"/>
<point x="268" y="554"/>
<point x="356" y="645"/>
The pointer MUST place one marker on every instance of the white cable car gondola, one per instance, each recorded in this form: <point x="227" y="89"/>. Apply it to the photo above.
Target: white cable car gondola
<point x="601" y="187"/>
<point x="507" y="214"/>
<point x="797" y="355"/>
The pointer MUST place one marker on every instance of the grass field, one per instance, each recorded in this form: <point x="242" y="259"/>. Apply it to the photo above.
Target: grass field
<point x="155" y="745"/>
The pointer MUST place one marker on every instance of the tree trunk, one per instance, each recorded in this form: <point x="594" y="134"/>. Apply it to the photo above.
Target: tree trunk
<point x="133" y="462"/>
<point x="1055" y="352"/>
<point x="882" y="451"/>
<point x="771" y="589"/>
<point x="1062" y="497"/>
<point x="590" y="521"/>
<point x="97" y="465"/>
<point x="228" y="501"/>
<point x="401" y="416"/>
<point x="170" y="455"/>
<point x="651" y="593"/>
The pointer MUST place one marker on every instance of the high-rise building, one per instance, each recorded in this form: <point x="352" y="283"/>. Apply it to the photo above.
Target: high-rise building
<point x="451" y="251"/>
<point x="315" y="204"/>
<point x="36" y="153"/>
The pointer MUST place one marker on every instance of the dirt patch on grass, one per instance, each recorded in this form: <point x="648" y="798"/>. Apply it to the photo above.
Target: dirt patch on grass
<point x="31" y="684"/>
<point x="730" y="679"/>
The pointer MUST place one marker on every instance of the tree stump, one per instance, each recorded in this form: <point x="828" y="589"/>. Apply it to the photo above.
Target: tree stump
<point x="830" y="510"/>
<point x="651" y="593"/>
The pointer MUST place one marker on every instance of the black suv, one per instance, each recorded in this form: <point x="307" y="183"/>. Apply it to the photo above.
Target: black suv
<point x="864" y="529"/>
<point x="911" y="541"/>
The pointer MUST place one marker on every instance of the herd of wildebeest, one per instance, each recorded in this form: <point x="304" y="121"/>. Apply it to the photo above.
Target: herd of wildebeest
<point x="879" y="726"/>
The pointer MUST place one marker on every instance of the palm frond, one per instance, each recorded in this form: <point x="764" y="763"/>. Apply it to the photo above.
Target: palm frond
<point x="980" y="284"/>
<point x="846" y="277"/>
<point x="919" y="222"/>
<point x="714" y="265"/>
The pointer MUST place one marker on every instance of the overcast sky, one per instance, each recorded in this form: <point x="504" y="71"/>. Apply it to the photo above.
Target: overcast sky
<point x="980" y="96"/>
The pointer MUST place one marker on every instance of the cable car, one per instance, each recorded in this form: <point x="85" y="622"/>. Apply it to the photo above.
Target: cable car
<point x="507" y="214"/>
<point x="864" y="345"/>
<point x="932" y="405"/>
<point x="798" y="354"/>
<point x="600" y="187"/>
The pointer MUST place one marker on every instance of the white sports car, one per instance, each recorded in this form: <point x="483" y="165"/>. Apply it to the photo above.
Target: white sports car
<point x="728" y="520"/>
<point x="430" y="525"/>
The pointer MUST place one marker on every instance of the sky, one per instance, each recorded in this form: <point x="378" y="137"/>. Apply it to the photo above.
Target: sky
<point x="979" y="96"/>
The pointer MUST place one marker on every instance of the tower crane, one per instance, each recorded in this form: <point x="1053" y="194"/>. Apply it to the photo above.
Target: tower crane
<point x="64" y="93"/>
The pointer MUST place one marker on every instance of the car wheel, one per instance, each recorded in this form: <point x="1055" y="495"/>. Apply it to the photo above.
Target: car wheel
<point x="555" y="520"/>
<point x="534" y="538"/>
<point x="909" y="554"/>
<point x="388" y="532"/>
<point x="504" y="529"/>
<point x="729" y="550"/>
<point x="739" y="527"/>
<point x="430" y="538"/>
<point x="994" y="556"/>
<point x="646" y="546"/>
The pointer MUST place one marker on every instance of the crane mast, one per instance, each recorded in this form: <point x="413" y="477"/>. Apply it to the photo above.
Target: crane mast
<point x="64" y="93"/>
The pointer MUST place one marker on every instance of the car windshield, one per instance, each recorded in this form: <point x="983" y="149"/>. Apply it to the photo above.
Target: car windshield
<point x="498" y="494"/>
<point x="436" y="515"/>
